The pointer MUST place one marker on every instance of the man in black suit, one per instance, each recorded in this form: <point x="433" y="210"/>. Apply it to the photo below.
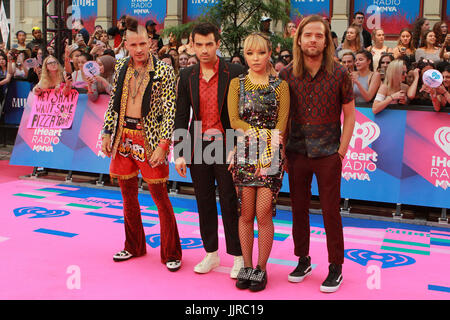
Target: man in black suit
<point x="366" y="37"/>
<point x="203" y="90"/>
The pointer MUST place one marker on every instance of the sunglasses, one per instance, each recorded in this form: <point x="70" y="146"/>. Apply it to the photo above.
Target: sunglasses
<point x="286" y="56"/>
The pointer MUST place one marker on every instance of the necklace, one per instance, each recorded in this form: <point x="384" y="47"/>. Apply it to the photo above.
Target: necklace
<point x="139" y="80"/>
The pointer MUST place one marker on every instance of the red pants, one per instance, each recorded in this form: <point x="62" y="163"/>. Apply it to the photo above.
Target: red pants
<point x="129" y="159"/>
<point x="328" y="174"/>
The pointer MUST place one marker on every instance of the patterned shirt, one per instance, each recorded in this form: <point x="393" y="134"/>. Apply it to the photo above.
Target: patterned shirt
<point x="316" y="106"/>
<point x="209" y="105"/>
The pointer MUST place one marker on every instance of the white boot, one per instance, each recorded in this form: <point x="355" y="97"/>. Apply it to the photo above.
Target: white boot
<point x="238" y="264"/>
<point x="208" y="263"/>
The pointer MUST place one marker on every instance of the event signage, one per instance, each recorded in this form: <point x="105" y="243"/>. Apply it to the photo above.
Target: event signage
<point x="4" y="26"/>
<point x="144" y="10"/>
<point x="195" y="8"/>
<point x="53" y="109"/>
<point x="396" y="156"/>
<point x="15" y="101"/>
<point x="389" y="15"/>
<point x="85" y="10"/>
<point x="426" y="162"/>
<point x="303" y="8"/>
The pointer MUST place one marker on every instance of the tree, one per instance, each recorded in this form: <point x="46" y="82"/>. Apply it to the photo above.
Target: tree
<point x="237" y="19"/>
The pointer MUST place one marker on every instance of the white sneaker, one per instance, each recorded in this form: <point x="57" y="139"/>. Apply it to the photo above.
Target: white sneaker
<point x="238" y="264"/>
<point x="208" y="263"/>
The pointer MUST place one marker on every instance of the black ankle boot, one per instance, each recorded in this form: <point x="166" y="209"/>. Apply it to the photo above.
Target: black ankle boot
<point x="243" y="278"/>
<point x="258" y="280"/>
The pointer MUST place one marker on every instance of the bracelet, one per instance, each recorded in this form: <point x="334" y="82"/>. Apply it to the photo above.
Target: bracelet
<point x="164" y="144"/>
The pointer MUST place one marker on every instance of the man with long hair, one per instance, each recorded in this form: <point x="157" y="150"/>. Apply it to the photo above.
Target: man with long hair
<point x="136" y="133"/>
<point x="320" y="90"/>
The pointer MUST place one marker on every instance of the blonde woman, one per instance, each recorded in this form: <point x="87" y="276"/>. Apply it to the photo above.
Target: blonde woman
<point x="378" y="47"/>
<point x="258" y="106"/>
<point x="394" y="90"/>
<point x="53" y="77"/>
<point x="351" y="43"/>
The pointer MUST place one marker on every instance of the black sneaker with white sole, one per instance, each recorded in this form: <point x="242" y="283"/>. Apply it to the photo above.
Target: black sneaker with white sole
<point x="334" y="279"/>
<point x="303" y="270"/>
<point x="122" y="256"/>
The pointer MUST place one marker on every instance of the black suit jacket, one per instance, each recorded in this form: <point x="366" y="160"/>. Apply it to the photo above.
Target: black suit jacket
<point x="188" y="99"/>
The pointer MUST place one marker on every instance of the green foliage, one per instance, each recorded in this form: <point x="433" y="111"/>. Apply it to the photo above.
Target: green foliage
<point x="237" y="19"/>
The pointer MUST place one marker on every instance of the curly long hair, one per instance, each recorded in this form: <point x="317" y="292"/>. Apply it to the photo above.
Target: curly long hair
<point x="47" y="81"/>
<point x="417" y="31"/>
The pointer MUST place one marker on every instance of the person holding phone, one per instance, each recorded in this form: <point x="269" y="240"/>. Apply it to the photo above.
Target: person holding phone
<point x="394" y="90"/>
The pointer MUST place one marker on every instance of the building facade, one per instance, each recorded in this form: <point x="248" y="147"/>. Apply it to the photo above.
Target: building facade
<point x="26" y="14"/>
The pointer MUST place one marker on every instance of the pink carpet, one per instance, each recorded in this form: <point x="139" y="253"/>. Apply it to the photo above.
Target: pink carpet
<point x="57" y="242"/>
<point x="11" y="173"/>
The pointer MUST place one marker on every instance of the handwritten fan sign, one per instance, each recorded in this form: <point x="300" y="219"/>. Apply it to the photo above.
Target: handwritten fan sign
<point x="53" y="110"/>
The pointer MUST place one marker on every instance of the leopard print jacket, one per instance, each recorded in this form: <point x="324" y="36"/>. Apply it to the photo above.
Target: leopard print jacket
<point x="158" y="104"/>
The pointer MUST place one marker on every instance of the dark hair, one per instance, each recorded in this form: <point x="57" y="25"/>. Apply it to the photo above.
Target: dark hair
<point x="166" y="55"/>
<point x="88" y="56"/>
<point x="447" y="68"/>
<point x="20" y="31"/>
<point x="417" y="31"/>
<point x="132" y="25"/>
<point x="368" y="56"/>
<point x="422" y="63"/>
<point x="238" y="55"/>
<point x="441" y="65"/>
<point x="423" y="39"/>
<point x="109" y="52"/>
<point x="204" y="29"/>
<point x="358" y="12"/>
<point x="3" y="54"/>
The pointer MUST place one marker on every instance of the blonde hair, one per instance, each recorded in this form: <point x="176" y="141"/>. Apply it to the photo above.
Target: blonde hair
<point x="46" y="81"/>
<point x="393" y="70"/>
<point x="259" y="41"/>
<point x="346" y="44"/>
<point x="298" y="65"/>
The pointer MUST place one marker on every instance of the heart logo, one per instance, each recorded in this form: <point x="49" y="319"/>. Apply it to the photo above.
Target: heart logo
<point x="368" y="132"/>
<point x="154" y="241"/>
<point x="442" y="138"/>
<point x="388" y="259"/>
<point x="40" y="212"/>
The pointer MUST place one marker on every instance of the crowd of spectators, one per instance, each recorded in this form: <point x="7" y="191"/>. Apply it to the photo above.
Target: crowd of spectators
<point x="381" y="75"/>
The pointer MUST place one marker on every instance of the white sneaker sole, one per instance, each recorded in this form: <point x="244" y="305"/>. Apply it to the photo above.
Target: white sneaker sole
<point x="298" y="279"/>
<point x="330" y="289"/>
<point x="202" y="271"/>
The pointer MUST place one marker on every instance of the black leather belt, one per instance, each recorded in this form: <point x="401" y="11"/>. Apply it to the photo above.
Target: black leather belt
<point x="132" y="123"/>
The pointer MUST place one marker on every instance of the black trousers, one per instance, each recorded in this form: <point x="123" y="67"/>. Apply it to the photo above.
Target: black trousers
<point x="204" y="177"/>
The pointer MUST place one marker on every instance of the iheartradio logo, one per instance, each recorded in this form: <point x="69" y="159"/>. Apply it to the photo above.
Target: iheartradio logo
<point x="368" y="132"/>
<point x="442" y="138"/>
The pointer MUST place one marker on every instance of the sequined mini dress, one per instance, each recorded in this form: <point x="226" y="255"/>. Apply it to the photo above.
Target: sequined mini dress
<point x="258" y="107"/>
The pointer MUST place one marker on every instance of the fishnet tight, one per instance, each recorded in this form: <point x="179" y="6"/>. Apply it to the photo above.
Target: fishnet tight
<point x="256" y="202"/>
